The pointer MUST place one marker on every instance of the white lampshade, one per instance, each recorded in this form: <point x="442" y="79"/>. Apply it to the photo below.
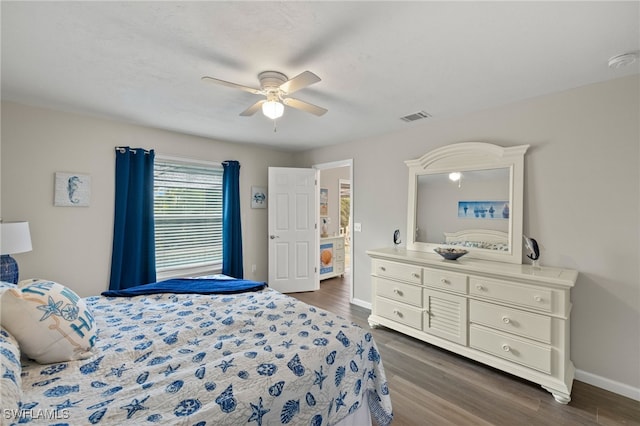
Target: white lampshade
<point x="273" y="109"/>
<point x="14" y="237"/>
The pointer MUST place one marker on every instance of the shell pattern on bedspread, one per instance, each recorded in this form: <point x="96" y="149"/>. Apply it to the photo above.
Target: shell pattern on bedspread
<point x="257" y="358"/>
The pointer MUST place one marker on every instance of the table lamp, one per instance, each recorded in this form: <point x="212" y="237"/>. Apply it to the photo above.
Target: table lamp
<point x="14" y="238"/>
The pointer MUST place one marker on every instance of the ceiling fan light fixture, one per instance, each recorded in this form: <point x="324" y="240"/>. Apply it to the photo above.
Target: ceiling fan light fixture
<point x="273" y="109"/>
<point x="455" y="176"/>
<point x="276" y="87"/>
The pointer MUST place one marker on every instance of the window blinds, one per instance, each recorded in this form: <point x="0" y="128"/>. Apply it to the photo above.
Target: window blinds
<point x="188" y="214"/>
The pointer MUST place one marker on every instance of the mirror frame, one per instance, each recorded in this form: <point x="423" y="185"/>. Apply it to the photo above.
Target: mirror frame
<point x="466" y="156"/>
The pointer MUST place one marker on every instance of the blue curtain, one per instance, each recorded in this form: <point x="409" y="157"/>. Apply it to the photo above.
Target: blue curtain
<point x="231" y="229"/>
<point x="133" y="259"/>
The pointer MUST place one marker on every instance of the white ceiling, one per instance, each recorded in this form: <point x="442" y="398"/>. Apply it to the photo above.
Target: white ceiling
<point x="141" y="62"/>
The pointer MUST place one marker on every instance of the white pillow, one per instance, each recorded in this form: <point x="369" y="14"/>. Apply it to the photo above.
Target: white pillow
<point x="10" y="373"/>
<point x="5" y="286"/>
<point x="50" y="322"/>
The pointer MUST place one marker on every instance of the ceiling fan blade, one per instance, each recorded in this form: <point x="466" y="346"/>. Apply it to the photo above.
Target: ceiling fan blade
<point x="304" y="106"/>
<point x="253" y="108"/>
<point x="298" y="82"/>
<point x="234" y="85"/>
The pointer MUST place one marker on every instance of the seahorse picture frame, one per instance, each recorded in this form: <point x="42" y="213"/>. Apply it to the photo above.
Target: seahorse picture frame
<point x="72" y="190"/>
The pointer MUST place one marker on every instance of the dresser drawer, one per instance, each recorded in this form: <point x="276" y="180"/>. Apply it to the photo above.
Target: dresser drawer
<point x="399" y="312"/>
<point x="340" y="243"/>
<point x="525" y="324"/>
<point x="339" y="255"/>
<point x="405" y="293"/>
<point x="532" y="297"/>
<point x="445" y="280"/>
<point x="398" y="271"/>
<point x="536" y="356"/>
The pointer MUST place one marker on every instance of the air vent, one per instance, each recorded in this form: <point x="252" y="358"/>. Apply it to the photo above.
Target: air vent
<point x="415" y="116"/>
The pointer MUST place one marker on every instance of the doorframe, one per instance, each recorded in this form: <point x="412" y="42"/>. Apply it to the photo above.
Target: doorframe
<point x="334" y="165"/>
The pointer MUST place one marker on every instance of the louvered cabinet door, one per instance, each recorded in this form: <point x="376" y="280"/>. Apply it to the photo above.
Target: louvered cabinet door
<point x="445" y="316"/>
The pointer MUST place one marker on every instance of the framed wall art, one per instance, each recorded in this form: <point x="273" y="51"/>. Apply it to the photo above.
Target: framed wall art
<point x="326" y="258"/>
<point x="483" y="209"/>
<point x="72" y="190"/>
<point x="258" y="197"/>
<point x="324" y="201"/>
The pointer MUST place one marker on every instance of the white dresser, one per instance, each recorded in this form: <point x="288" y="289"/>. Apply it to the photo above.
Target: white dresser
<point x="331" y="257"/>
<point x="509" y="316"/>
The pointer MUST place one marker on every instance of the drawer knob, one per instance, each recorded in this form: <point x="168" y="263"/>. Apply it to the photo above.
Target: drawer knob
<point x="506" y="320"/>
<point x="444" y="281"/>
<point x="506" y="347"/>
<point x="382" y="268"/>
<point x="480" y="287"/>
<point x="537" y="299"/>
<point x="416" y="275"/>
<point x="397" y="312"/>
<point x="397" y="291"/>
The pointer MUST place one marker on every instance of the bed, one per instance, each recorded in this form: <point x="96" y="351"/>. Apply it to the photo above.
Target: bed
<point x="478" y="238"/>
<point x="254" y="357"/>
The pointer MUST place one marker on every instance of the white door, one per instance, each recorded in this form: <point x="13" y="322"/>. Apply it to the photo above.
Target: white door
<point x="293" y="234"/>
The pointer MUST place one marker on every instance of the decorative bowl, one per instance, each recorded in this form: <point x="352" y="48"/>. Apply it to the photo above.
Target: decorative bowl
<point x="450" y="253"/>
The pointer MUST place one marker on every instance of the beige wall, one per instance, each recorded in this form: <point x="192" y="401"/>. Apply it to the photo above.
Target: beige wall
<point x="582" y="203"/>
<point x="72" y="245"/>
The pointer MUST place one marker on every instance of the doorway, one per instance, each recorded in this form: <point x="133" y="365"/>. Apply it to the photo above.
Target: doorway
<point x="335" y="186"/>
<point x="344" y="201"/>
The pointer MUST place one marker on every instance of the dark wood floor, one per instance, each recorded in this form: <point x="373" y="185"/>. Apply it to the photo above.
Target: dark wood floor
<point x="431" y="386"/>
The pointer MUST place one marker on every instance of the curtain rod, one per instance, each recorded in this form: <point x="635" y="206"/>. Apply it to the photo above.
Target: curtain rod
<point x="123" y="149"/>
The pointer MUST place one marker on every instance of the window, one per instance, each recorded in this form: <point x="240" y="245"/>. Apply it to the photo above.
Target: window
<point x="187" y="206"/>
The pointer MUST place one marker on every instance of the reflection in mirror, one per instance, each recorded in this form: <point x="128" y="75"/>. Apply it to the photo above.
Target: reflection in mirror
<point x="459" y="209"/>
<point x="468" y="194"/>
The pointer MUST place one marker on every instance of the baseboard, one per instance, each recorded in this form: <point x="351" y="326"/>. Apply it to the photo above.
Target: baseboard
<point x="361" y="303"/>
<point x="608" y="384"/>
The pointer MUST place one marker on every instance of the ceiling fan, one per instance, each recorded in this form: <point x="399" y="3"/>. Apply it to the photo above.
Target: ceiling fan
<point x="276" y="88"/>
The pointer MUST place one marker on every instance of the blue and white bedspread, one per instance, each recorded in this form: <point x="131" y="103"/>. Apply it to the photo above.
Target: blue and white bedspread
<point x="259" y="358"/>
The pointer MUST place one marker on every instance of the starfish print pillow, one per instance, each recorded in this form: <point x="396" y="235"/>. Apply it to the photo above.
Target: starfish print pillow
<point x="50" y="321"/>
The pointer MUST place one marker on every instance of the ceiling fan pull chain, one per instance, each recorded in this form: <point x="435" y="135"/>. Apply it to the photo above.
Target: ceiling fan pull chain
<point x="275" y="126"/>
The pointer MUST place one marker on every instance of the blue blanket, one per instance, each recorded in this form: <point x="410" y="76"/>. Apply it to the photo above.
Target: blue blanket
<point x="190" y="285"/>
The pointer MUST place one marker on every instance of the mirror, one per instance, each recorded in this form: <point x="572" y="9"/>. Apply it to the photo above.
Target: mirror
<point x="468" y="195"/>
<point x="471" y="199"/>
